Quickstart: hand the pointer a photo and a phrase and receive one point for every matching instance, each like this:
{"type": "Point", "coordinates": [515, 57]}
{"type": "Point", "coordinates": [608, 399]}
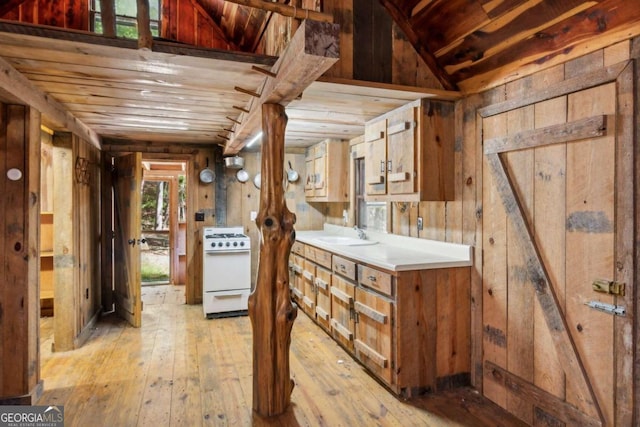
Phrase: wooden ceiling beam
{"type": "Point", "coordinates": [58, 117]}
{"type": "Point", "coordinates": [285, 10]}
{"type": "Point", "coordinates": [313, 49]}
{"type": "Point", "coordinates": [402, 21]}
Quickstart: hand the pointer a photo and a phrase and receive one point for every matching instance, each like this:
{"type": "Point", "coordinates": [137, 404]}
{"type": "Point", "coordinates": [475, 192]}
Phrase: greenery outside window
{"type": "Point", "coordinates": [126, 21]}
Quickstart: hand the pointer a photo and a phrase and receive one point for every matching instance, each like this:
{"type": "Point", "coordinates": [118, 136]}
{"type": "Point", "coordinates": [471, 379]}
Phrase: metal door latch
{"type": "Point", "coordinates": [608, 287]}
{"type": "Point", "coordinates": [616, 310]}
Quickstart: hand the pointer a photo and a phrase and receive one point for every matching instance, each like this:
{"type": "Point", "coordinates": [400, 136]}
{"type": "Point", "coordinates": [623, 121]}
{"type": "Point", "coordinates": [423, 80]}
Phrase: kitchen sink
{"type": "Point", "coordinates": [344, 241]}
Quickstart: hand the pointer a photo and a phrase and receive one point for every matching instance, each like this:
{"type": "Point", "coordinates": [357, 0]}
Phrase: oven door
{"type": "Point", "coordinates": [225, 271]}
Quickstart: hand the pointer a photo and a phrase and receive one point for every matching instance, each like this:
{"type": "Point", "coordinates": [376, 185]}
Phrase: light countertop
{"type": "Point", "coordinates": [388, 251]}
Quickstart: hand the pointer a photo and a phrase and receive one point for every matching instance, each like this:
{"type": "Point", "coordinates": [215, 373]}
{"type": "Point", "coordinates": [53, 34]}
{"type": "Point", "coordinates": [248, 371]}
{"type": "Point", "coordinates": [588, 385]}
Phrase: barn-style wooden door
{"type": "Point", "coordinates": [557, 224]}
{"type": "Point", "coordinates": [126, 198]}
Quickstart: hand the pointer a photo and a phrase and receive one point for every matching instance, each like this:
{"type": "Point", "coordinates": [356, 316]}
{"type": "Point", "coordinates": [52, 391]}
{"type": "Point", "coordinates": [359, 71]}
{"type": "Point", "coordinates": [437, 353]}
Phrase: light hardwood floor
{"type": "Point", "coordinates": [181, 369]}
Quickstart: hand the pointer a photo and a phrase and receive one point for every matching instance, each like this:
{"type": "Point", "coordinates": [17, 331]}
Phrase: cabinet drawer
{"type": "Point", "coordinates": [344, 267]}
{"type": "Point", "coordinates": [298, 248]}
{"type": "Point", "coordinates": [318, 256]}
{"type": "Point", "coordinates": [375, 279]}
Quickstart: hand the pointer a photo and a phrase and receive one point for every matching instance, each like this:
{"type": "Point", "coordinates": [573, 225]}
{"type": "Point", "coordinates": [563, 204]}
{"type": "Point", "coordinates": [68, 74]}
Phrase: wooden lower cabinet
{"type": "Point", "coordinates": [373, 342]}
{"type": "Point", "coordinates": [296, 281]}
{"type": "Point", "coordinates": [323, 297]}
{"type": "Point", "coordinates": [342, 316]}
{"type": "Point", "coordinates": [309, 291]}
{"type": "Point", "coordinates": [410, 329]}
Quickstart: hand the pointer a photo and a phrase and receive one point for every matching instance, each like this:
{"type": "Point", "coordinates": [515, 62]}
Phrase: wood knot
{"type": "Point", "coordinates": [579, 327]}
{"type": "Point", "coordinates": [491, 240]}
{"type": "Point", "coordinates": [469, 181]}
{"type": "Point", "coordinates": [17, 247]}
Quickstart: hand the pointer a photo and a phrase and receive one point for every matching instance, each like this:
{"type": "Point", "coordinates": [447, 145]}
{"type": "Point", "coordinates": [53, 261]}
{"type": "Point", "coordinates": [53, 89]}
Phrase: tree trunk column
{"type": "Point", "coordinates": [270, 309]}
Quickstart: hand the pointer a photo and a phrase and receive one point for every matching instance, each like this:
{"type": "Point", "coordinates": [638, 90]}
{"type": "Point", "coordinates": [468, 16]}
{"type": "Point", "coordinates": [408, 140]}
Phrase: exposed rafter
{"type": "Point", "coordinates": [285, 10]}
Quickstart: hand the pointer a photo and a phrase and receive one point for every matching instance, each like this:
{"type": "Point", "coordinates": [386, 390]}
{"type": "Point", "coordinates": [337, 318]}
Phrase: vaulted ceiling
{"type": "Point", "coordinates": [471, 45]}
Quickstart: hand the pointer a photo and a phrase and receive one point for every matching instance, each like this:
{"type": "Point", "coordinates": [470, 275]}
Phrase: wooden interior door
{"type": "Point", "coordinates": [126, 189]}
{"type": "Point", "coordinates": [553, 180]}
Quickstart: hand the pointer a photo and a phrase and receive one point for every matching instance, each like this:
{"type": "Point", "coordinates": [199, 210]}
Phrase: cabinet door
{"type": "Point", "coordinates": [323, 297]}
{"type": "Point", "coordinates": [309, 297]}
{"type": "Point", "coordinates": [401, 152]}
{"type": "Point", "coordinates": [373, 333]}
{"type": "Point", "coordinates": [297, 284]}
{"type": "Point", "coordinates": [320, 185]}
{"type": "Point", "coordinates": [375, 165]}
{"type": "Point", "coordinates": [309, 181]}
{"type": "Point", "coordinates": [342, 319]}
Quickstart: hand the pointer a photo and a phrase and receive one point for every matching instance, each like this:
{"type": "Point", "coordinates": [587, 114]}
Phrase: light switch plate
{"type": "Point", "coordinates": [420, 224]}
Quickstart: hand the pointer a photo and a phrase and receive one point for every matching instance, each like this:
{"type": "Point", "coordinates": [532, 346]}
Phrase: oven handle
{"type": "Point", "coordinates": [207, 252]}
{"type": "Point", "coordinates": [219, 295]}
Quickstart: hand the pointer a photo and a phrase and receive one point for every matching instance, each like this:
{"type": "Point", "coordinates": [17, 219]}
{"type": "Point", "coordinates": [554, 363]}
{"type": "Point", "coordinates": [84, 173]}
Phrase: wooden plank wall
{"type": "Point", "coordinates": [244, 198]}
{"type": "Point", "coordinates": [77, 243]}
{"type": "Point", "coordinates": [184, 21]}
{"type": "Point", "coordinates": [19, 260]}
{"type": "Point", "coordinates": [383, 52]}
{"type": "Point", "coordinates": [70, 14]}
{"type": "Point", "coordinates": [501, 299]}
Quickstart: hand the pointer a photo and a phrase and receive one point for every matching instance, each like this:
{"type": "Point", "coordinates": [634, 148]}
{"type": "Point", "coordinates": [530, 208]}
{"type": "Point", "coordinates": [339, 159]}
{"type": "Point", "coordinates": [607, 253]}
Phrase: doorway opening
{"type": "Point", "coordinates": [163, 222]}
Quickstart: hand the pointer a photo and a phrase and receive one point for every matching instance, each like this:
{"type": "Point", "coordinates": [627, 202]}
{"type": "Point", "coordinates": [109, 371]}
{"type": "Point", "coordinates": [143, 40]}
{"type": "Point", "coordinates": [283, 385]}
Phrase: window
{"type": "Point", "coordinates": [369, 215]}
{"type": "Point", "coordinates": [126, 21]}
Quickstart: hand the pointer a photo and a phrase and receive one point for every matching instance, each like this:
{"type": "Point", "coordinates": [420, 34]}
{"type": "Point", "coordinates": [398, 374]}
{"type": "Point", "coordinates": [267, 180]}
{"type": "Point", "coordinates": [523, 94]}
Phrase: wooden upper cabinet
{"type": "Point", "coordinates": [327, 172]}
{"type": "Point", "coordinates": [410, 153]}
{"type": "Point", "coordinates": [375, 137]}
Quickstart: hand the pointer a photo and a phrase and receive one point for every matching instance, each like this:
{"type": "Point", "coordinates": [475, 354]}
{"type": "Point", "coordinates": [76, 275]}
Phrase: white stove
{"type": "Point", "coordinates": [226, 275]}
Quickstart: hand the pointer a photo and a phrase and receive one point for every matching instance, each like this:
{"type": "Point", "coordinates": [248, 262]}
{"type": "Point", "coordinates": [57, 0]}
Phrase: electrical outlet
{"type": "Point", "coordinates": [420, 224]}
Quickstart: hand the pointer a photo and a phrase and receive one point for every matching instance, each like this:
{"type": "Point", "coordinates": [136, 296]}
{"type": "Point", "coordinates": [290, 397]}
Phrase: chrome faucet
{"type": "Point", "coordinates": [361, 234]}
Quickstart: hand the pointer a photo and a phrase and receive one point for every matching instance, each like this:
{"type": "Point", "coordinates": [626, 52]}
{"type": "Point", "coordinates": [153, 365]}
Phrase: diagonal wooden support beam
{"type": "Point", "coordinates": [556, 322]}
{"type": "Point", "coordinates": [13, 82]}
{"type": "Point", "coordinates": [313, 49]}
{"type": "Point", "coordinates": [285, 10]}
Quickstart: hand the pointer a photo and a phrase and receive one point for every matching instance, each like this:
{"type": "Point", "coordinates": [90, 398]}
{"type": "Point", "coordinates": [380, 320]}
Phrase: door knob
{"type": "Point", "coordinates": [132, 242]}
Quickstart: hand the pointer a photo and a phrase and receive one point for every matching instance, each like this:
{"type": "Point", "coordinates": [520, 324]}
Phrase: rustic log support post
{"type": "Point", "coordinates": [270, 308]}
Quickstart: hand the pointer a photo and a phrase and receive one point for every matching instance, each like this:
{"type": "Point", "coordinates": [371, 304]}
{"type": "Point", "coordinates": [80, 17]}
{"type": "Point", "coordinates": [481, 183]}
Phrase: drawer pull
{"type": "Point", "coordinates": [373, 355]}
{"type": "Point", "coordinates": [348, 299]}
{"type": "Point", "coordinates": [307, 275]}
{"type": "Point", "coordinates": [372, 278]}
{"type": "Point", "coordinates": [297, 293]}
{"type": "Point", "coordinates": [372, 314]}
{"type": "Point", "coordinates": [321, 284]}
{"type": "Point", "coordinates": [346, 333]}
{"type": "Point", "coordinates": [308, 302]}
{"type": "Point", "coordinates": [322, 314]}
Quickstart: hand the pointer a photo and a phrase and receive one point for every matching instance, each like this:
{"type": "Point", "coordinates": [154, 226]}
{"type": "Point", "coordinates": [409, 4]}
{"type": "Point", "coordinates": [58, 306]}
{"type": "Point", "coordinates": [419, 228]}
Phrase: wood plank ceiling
{"type": "Point", "coordinates": [475, 44]}
{"type": "Point", "coordinates": [181, 94]}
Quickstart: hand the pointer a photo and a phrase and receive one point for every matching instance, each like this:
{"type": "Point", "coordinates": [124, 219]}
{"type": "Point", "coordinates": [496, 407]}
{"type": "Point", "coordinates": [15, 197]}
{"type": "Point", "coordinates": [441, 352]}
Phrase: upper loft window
{"type": "Point", "coordinates": [126, 21]}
